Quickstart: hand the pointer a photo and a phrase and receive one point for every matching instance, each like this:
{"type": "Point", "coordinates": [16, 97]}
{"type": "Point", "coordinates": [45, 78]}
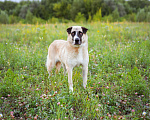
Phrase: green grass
{"type": "Point", "coordinates": [118, 78]}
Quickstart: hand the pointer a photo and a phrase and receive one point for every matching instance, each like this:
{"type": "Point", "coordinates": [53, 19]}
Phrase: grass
{"type": "Point", "coordinates": [118, 79]}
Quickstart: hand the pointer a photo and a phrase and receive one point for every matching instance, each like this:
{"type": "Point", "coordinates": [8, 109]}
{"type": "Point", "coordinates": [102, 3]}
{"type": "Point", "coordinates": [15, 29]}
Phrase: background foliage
{"type": "Point", "coordinates": [73, 10]}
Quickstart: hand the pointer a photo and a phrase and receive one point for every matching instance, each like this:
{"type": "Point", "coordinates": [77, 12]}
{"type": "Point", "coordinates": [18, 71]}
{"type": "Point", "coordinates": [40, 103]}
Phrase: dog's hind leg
{"type": "Point", "coordinates": [58, 66]}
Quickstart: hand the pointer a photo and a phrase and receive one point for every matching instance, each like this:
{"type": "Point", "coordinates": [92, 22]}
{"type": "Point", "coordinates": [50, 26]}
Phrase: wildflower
{"type": "Point", "coordinates": [144, 113]}
{"type": "Point", "coordinates": [71, 109]}
{"type": "Point", "coordinates": [44, 95]}
{"type": "Point", "coordinates": [1, 115]}
{"type": "Point", "coordinates": [109, 115]}
{"type": "Point", "coordinates": [58, 103]}
{"type": "Point", "coordinates": [136, 93]}
{"type": "Point", "coordinates": [98, 31]}
{"type": "Point", "coordinates": [12, 114]}
{"type": "Point", "coordinates": [97, 109]}
{"type": "Point", "coordinates": [101, 118]}
{"type": "Point", "coordinates": [99, 105]}
{"type": "Point", "coordinates": [38, 29]}
{"type": "Point", "coordinates": [50, 95]}
{"type": "Point", "coordinates": [37, 89]}
{"type": "Point", "coordinates": [133, 110]}
{"type": "Point", "coordinates": [96, 95]}
{"type": "Point", "coordinates": [35, 118]}
{"type": "Point", "coordinates": [147, 104]}
{"type": "Point", "coordinates": [8, 95]}
{"type": "Point", "coordinates": [107, 87]}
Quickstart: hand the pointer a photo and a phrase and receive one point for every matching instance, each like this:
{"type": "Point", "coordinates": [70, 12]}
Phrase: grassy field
{"type": "Point", "coordinates": [118, 78]}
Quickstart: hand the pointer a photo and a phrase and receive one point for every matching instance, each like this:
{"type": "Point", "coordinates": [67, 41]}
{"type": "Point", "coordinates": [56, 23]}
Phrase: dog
{"type": "Point", "coordinates": [70, 53]}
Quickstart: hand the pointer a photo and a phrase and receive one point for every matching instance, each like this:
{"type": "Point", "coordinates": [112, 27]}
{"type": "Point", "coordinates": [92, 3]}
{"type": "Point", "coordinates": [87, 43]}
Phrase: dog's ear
{"type": "Point", "coordinates": [69, 30]}
{"type": "Point", "coordinates": [84, 30]}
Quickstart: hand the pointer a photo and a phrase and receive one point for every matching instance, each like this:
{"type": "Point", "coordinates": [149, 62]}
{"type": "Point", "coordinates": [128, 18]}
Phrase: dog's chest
{"type": "Point", "coordinates": [77, 58]}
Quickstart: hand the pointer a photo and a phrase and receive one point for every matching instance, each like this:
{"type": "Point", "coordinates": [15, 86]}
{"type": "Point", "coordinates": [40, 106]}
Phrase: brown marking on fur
{"type": "Point", "coordinates": [58, 66]}
{"type": "Point", "coordinates": [76, 50]}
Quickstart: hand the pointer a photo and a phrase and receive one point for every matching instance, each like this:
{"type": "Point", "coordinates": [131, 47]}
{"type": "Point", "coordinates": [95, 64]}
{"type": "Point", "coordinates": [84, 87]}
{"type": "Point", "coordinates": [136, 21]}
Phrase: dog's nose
{"type": "Point", "coordinates": [77, 41]}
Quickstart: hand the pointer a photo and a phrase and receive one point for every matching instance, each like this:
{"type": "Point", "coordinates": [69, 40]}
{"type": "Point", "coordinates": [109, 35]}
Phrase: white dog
{"type": "Point", "coordinates": [70, 53]}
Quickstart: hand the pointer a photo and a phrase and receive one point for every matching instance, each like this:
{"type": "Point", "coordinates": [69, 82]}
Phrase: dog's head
{"type": "Point", "coordinates": [77, 35]}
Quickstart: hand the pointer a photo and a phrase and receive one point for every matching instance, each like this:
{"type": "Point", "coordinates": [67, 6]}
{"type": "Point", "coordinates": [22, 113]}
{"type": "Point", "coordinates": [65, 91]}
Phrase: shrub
{"type": "Point", "coordinates": [53, 20]}
{"type": "Point", "coordinates": [90, 18]}
{"type": "Point", "coordinates": [131, 17]}
{"type": "Point", "coordinates": [80, 18]}
{"type": "Point", "coordinates": [97, 16]}
{"type": "Point", "coordinates": [141, 16]}
{"type": "Point", "coordinates": [65, 20]}
{"type": "Point", "coordinates": [4, 19]}
{"type": "Point", "coordinates": [29, 17]}
{"type": "Point", "coordinates": [108, 18]}
{"type": "Point", "coordinates": [13, 19]}
{"type": "Point", "coordinates": [36, 20]}
{"type": "Point", "coordinates": [148, 17]}
{"type": "Point", "coordinates": [115, 15]}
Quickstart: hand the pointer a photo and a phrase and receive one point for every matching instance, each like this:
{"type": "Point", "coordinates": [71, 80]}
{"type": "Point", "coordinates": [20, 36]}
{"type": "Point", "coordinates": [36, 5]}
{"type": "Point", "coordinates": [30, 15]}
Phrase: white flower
{"type": "Point", "coordinates": [144, 113]}
{"type": "Point", "coordinates": [1, 115]}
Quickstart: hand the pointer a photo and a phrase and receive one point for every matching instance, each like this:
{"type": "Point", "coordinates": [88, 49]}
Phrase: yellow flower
{"type": "Point", "coordinates": [98, 31]}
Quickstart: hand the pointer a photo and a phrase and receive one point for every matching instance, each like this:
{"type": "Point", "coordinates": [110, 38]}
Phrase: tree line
{"type": "Point", "coordinates": [53, 11]}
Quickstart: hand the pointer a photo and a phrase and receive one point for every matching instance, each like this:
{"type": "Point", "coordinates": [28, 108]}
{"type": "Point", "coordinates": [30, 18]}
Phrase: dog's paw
{"type": "Point", "coordinates": [71, 92]}
{"type": "Point", "coordinates": [70, 89]}
{"type": "Point", "coordinates": [84, 86]}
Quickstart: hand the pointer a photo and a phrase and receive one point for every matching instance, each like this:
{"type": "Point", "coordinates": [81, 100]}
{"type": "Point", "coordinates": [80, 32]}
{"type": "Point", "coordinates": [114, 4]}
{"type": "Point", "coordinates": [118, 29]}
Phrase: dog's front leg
{"type": "Point", "coordinates": [69, 70]}
{"type": "Point", "coordinates": [84, 71]}
{"type": "Point", "coordinates": [64, 67]}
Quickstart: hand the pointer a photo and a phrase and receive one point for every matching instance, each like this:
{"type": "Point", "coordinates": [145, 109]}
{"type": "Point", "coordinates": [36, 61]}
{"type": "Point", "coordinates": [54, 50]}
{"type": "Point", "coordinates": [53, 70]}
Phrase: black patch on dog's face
{"type": "Point", "coordinates": [84, 30]}
{"type": "Point", "coordinates": [77, 37]}
{"type": "Point", "coordinates": [78, 33]}
{"type": "Point", "coordinates": [69, 30]}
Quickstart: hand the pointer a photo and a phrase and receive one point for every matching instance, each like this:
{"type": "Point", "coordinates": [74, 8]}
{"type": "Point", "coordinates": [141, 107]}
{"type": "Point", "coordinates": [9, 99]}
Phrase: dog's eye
{"type": "Point", "coordinates": [80, 33]}
{"type": "Point", "coordinates": [72, 33]}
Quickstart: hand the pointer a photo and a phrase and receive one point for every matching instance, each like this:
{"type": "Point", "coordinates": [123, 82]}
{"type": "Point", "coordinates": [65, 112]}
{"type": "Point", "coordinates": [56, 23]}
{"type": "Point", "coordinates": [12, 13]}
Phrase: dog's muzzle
{"type": "Point", "coordinates": [77, 41]}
